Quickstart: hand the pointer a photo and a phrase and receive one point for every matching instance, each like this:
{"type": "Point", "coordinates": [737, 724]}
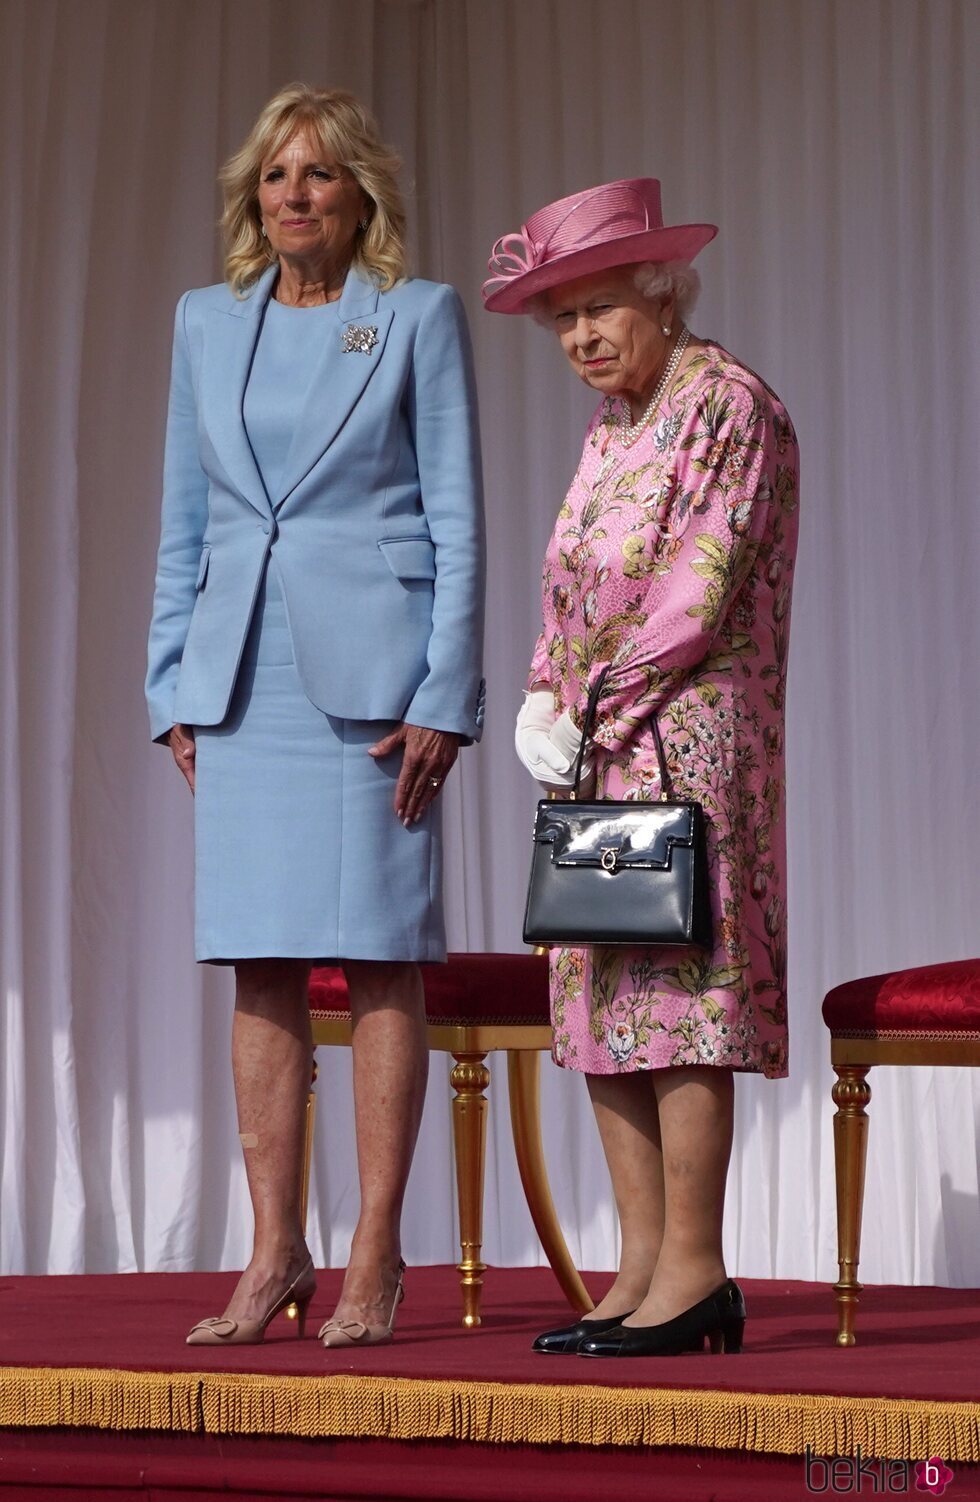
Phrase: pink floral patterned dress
{"type": "Point", "coordinates": [672, 560]}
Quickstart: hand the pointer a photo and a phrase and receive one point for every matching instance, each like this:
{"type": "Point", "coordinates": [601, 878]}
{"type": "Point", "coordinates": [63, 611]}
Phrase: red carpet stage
{"type": "Point", "coordinates": [100, 1397]}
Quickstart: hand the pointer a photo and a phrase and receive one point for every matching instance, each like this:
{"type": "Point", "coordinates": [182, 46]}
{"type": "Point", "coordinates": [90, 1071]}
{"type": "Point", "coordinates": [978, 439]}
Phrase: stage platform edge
{"type": "Point", "coordinates": [506, 1413]}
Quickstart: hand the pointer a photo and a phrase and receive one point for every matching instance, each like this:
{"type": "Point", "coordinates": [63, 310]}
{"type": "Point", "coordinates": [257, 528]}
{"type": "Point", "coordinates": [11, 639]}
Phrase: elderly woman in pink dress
{"type": "Point", "coordinates": [670, 568]}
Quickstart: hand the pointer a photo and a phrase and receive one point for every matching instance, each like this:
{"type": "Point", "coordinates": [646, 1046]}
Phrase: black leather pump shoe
{"type": "Point", "coordinates": [565, 1342]}
{"type": "Point", "coordinates": [720, 1317]}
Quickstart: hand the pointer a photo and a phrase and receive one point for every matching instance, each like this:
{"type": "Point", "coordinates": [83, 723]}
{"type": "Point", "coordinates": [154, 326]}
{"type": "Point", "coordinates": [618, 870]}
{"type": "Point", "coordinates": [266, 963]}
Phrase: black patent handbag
{"type": "Point", "coordinates": [614, 871]}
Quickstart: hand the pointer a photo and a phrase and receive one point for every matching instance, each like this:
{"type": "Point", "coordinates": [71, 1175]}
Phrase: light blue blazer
{"type": "Point", "coordinates": [377, 531]}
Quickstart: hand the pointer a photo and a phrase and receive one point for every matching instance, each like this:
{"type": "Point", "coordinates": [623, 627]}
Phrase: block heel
{"type": "Point", "coordinates": [720, 1318]}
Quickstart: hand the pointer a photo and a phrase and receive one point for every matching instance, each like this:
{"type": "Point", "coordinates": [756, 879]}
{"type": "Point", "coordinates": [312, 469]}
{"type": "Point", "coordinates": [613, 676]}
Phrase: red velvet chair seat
{"type": "Point", "coordinates": [928, 1016]}
{"type": "Point", "coordinates": [486, 989]}
{"type": "Point", "coordinates": [933, 1001]}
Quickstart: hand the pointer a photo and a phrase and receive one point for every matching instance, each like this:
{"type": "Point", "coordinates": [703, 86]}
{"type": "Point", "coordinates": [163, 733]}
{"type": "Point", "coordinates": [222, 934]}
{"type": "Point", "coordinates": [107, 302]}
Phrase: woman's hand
{"type": "Point", "coordinates": [548, 744]}
{"type": "Point", "coordinates": [181, 742]}
{"type": "Point", "coordinates": [429, 755]}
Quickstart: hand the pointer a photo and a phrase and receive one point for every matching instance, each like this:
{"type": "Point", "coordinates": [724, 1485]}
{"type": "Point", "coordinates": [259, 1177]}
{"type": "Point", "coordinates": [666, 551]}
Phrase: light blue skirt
{"type": "Point", "coordinates": [299, 852]}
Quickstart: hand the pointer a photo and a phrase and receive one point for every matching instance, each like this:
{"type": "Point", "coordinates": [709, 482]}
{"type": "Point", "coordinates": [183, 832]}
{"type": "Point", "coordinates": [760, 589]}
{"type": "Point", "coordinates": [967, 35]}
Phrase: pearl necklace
{"type": "Point", "coordinates": [630, 431]}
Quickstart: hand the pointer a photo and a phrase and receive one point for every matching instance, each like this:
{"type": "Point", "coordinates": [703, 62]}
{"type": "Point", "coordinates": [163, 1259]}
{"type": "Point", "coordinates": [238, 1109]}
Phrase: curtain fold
{"type": "Point", "coordinates": [834, 144]}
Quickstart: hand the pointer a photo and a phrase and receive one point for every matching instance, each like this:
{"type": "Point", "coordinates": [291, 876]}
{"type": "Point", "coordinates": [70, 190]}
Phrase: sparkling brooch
{"type": "Point", "coordinates": [359, 339]}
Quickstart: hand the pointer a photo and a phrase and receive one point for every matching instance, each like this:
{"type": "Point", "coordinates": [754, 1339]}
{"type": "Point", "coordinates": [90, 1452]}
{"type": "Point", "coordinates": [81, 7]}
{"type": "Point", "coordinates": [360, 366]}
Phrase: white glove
{"type": "Point", "coordinates": [545, 744]}
{"type": "Point", "coordinates": [566, 739]}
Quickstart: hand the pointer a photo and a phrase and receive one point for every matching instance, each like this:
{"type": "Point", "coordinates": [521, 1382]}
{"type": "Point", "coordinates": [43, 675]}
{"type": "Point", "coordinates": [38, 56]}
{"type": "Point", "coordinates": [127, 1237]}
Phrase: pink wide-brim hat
{"type": "Point", "coordinates": [615, 224]}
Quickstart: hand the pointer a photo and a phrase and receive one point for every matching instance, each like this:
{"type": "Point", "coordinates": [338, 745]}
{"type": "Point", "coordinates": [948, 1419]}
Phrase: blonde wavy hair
{"type": "Point", "coordinates": [346, 133]}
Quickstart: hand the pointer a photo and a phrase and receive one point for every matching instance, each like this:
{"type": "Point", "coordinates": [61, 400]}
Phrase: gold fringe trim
{"type": "Point", "coordinates": [343, 1406]}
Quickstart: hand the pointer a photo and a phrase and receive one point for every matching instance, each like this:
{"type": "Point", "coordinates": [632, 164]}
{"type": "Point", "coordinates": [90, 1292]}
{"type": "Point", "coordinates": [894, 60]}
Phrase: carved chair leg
{"type": "Point", "coordinates": [524, 1079]}
{"type": "Point", "coordinates": [470, 1078]}
{"type": "Point", "coordinates": [304, 1193]}
{"type": "Point", "coordinates": [851, 1095]}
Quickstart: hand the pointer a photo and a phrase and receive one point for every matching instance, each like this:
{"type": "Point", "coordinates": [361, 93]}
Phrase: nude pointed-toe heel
{"type": "Point", "coordinates": [353, 1332]}
{"type": "Point", "coordinates": [251, 1332]}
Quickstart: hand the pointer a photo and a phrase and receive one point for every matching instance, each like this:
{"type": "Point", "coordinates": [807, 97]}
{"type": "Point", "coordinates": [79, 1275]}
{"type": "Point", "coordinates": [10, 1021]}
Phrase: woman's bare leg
{"type": "Point", "coordinates": [696, 1109]}
{"type": "Point", "coordinates": [272, 1056]}
{"type": "Point", "coordinates": [626, 1111]}
{"type": "Point", "coordinates": [391, 1064]}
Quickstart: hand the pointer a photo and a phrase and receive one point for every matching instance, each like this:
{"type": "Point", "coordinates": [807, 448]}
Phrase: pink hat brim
{"type": "Point", "coordinates": [678, 242]}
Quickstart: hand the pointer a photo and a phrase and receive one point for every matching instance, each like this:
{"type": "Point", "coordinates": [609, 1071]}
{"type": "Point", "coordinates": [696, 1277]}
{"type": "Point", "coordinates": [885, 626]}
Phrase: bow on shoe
{"type": "Point", "coordinates": [214, 1325]}
{"type": "Point", "coordinates": [345, 1325]}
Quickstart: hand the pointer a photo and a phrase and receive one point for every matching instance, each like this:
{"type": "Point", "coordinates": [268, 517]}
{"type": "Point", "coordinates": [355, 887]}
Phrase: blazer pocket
{"type": "Point", "coordinates": [409, 557]}
{"type": "Point", "coordinates": [202, 568]}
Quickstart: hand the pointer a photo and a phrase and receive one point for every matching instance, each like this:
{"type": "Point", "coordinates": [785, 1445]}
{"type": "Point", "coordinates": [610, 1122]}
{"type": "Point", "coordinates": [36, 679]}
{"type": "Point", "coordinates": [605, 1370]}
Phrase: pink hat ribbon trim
{"type": "Point", "coordinates": [508, 263]}
{"type": "Point", "coordinates": [516, 254]}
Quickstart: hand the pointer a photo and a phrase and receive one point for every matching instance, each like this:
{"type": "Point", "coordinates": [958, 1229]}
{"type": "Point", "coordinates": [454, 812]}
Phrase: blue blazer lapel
{"type": "Point", "coordinates": [339, 379]}
{"type": "Point", "coordinates": [228, 349]}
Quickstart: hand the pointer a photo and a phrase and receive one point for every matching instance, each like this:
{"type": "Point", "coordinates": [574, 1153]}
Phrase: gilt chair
{"type": "Point", "coordinates": [930, 1015]}
{"type": "Point", "coordinates": [475, 1004]}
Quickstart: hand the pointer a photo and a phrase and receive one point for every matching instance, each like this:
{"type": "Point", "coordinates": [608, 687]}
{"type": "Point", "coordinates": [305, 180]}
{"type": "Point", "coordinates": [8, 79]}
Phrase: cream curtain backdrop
{"type": "Point", "coordinates": [834, 142]}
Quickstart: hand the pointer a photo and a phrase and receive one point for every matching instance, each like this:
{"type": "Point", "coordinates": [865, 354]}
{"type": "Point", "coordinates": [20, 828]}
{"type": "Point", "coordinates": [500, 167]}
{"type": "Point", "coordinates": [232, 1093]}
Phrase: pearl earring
{"type": "Point", "coordinates": [665, 328]}
{"type": "Point", "coordinates": [265, 234]}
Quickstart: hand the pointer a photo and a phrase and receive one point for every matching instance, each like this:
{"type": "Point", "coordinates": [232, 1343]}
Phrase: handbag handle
{"type": "Point", "coordinates": [666, 787]}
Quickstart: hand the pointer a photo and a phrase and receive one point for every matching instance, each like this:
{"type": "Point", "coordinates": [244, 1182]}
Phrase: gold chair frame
{"type": "Point", "coordinates": [469, 1045]}
{"type": "Point", "coordinates": [852, 1055]}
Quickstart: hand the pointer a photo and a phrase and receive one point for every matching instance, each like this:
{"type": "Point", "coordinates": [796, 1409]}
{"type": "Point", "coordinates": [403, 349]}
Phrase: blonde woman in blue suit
{"type": "Point", "coordinates": [314, 659]}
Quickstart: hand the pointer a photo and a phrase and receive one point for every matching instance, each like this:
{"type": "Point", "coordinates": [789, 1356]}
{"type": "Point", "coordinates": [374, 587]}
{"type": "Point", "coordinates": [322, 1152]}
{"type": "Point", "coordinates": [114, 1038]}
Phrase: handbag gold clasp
{"type": "Point", "coordinates": [609, 857]}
